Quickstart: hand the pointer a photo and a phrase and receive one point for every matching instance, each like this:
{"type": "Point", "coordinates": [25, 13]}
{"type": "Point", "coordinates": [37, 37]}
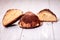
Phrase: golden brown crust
{"type": "Point", "coordinates": [47, 11]}
{"type": "Point", "coordinates": [11, 12]}
{"type": "Point", "coordinates": [29, 20]}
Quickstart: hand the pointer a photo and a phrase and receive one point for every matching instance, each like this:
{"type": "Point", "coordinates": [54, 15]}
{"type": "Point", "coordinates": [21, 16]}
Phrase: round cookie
{"type": "Point", "coordinates": [29, 20]}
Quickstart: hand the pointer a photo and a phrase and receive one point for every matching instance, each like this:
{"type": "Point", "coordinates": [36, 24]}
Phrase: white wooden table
{"type": "Point", "coordinates": [47, 31]}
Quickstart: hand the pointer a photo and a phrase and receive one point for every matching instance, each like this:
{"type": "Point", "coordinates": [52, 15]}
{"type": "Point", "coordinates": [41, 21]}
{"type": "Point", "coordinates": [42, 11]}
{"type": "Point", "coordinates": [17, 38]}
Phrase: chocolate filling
{"type": "Point", "coordinates": [30, 17]}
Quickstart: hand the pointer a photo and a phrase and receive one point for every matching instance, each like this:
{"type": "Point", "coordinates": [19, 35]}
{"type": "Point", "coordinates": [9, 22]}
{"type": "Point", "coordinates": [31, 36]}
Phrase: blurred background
{"type": "Point", "coordinates": [47, 31]}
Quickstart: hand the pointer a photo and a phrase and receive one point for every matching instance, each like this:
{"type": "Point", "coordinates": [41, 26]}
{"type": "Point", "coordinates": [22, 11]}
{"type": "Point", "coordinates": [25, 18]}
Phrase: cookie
{"type": "Point", "coordinates": [29, 20]}
{"type": "Point", "coordinates": [11, 16]}
{"type": "Point", "coordinates": [47, 15]}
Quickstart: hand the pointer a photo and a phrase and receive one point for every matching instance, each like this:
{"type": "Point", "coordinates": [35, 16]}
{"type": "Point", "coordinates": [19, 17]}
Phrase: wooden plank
{"type": "Point", "coordinates": [43, 32]}
{"type": "Point", "coordinates": [55, 5]}
{"type": "Point", "coordinates": [11, 33]}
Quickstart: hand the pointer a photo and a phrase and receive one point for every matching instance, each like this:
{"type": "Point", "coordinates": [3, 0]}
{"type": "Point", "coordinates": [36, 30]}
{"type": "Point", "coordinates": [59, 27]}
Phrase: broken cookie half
{"type": "Point", "coordinates": [47, 15]}
{"type": "Point", "coordinates": [11, 16]}
{"type": "Point", "coordinates": [29, 20]}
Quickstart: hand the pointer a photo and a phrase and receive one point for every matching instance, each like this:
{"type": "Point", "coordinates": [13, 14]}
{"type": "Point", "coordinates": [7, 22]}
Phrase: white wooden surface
{"type": "Point", "coordinates": [55, 7]}
{"type": "Point", "coordinates": [44, 32]}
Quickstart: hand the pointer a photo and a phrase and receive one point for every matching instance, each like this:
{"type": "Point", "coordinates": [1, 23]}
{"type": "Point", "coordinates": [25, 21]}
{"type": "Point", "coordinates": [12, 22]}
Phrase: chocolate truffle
{"type": "Point", "coordinates": [29, 20]}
